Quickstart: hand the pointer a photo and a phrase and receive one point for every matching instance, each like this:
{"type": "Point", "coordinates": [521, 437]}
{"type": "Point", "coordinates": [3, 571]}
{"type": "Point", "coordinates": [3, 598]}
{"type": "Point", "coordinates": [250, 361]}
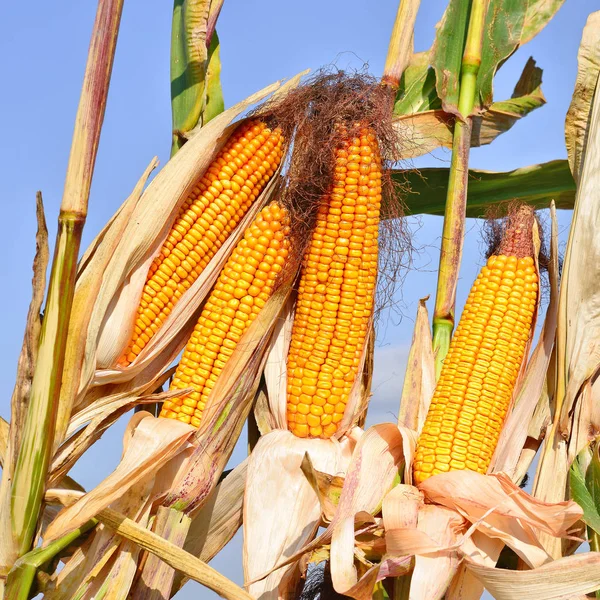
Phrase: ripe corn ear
{"type": "Point", "coordinates": [477, 380]}
{"type": "Point", "coordinates": [205, 220]}
{"type": "Point", "coordinates": [336, 293]}
{"type": "Point", "coordinates": [244, 285]}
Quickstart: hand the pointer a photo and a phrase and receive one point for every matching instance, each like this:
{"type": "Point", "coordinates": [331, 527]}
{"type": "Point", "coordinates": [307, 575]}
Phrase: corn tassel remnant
{"type": "Point", "coordinates": [205, 220]}
{"type": "Point", "coordinates": [478, 377]}
{"type": "Point", "coordinates": [336, 293]}
{"type": "Point", "coordinates": [244, 286]}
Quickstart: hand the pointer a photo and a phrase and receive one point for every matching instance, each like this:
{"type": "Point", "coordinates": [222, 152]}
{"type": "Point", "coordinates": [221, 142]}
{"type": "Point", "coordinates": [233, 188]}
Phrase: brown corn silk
{"type": "Point", "coordinates": [478, 377]}
{"type": "Point", "coordinates": [336, 291]}
{"type": "Point", "coordinates": [243, 288]}
{"type": "Point", "coordinates": [208, 216]}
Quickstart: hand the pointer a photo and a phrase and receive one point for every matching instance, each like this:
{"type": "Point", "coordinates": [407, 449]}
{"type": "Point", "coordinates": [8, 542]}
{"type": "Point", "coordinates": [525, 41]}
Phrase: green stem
{"type": "Point", "coordinates": [456, 199]}
{"type": "Point", "coordinates": [21, 506]}
{"type": "Point", "coordinates": [402, 587]}
{"type": "Point", "coordinates": [22, 575]}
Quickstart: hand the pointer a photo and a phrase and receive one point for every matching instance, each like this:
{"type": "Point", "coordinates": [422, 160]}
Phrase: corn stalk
{"type": "Point", "coordinates": [456, 199]}
{"type": "Point", "coordinates": [22, 504]}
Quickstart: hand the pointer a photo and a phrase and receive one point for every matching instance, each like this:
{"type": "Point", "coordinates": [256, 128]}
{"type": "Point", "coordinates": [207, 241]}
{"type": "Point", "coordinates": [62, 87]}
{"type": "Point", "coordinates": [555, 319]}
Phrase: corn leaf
{"type": "Point", "coordinates": [189, 61]}
{"type": "Point", "coordinates": [417, 92]}
{"type": "Point", "coordinates": [503, 28]}
{"type": "Point", "coordinates": [581, 494]}
{"type": "Point", "coordinates": [447, 53]}
{"type": "Point", "coordinates": [536, 185]}
{"type": "Point", "coordinates": [29, 350]}
{"type": "Point", "coordinates": [425, 131]}
{"type": "Point", "coordinates": [578, 116]}
{"type": "Point", "coordinates": [538, 15]}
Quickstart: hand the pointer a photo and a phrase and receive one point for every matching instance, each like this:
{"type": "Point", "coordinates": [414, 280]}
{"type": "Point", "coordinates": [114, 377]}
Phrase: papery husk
{"type": "Point", "coordinates": [578, 328]}
{"type": "Point", "coordinates": [501, 510]}
{"type": "Point", "coordinates": [217, 521]}
{"type": "Point", "coordinates": [281, 510]}
{"type": "Point", "coordinates": [148, 444]}
{"type": "Point", "coordinates": [105, 313]}
{"type": "Point", "coordinates": [566, 578]}
{"type": "Point", "coordinates": [577, 120]}
{"type": "Point", "coordinates": [419, 381]}
{"type": "Point", "coordinates": [380, 454]}
{"type": "Point", "coordinates": [103, 416]}
{"type": "Point", "coordinates": [433, 572]}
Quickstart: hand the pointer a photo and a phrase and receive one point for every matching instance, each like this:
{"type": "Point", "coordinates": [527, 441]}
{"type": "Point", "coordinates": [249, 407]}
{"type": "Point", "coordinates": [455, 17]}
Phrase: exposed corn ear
{"type": "Point", "coordinates": [336, 292]}
{"type": "Point", "coordinates": [205, 220]}
{"type": "Point", "coordinates": [476, 383]}
{"type": "Point", "coordinates": [243, 288]}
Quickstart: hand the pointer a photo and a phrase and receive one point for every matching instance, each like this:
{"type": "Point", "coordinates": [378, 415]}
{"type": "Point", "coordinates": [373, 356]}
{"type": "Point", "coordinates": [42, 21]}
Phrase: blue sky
{"type": "Point", "coordinates": [44, 46]}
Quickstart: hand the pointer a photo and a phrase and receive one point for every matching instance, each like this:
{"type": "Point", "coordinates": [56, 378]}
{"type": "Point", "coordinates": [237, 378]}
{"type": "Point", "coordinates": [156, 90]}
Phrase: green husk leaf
{"type": "Point", "coordinates": [580, 491]}
{"type": "Point", "coordinates": [536, 185]}
{"type": "Point", "coordinates": [592, 482]}
{"type": "Point", "coordinates": [578, 116]}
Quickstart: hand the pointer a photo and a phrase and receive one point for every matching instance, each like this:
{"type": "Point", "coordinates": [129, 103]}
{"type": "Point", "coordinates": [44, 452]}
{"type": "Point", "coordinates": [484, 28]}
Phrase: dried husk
{"type": "Point", "coordinates": [148, 444]}
{"type": "Point", "coordinates": [419, 380]}
{"type": "Point", "coordinates": [281, 509]}
{"type": "Point", "coordinates": [105, 312]}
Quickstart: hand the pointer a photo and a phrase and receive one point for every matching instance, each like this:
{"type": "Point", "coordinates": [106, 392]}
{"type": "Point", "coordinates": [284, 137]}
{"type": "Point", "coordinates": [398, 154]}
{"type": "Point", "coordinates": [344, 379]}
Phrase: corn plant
{"type": "Point", "coordinates": [243, 279]}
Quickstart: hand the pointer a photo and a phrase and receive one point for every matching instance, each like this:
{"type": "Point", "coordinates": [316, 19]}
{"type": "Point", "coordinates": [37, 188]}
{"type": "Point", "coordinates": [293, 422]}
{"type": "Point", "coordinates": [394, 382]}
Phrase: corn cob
{"type": "Point", "coordinates": [474, 391]}
{"type": "Point", "coordinates": [214, 208]}
{"type": "Point", "coordinates": [244, 285]}
{"type": "Point", "coordinates": [336, 293]}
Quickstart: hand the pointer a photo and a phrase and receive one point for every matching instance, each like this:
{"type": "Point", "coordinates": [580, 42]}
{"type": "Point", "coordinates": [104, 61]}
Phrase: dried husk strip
{"type": "Point", "coordinates": [570, 577]}
{"type": "Point", "coordinates": [108, 311]}
{"type": "Point", "coordinates": [217, 521]}
{"type": "Point", "coordinates": [148, 444]}
{"type": "Point", "coordinates": [419, 380]}
{"type": "Point", "coordinates": [281, 509]}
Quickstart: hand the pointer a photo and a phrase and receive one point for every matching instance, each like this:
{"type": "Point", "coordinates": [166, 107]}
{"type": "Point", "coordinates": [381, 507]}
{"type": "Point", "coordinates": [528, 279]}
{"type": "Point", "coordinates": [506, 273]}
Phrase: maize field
{"type": "Point", "coordinates": [318, 322]}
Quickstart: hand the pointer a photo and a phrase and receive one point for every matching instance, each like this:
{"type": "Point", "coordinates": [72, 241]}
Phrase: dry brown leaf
{"type": "Point", "coordinates": [578, 115]}
{"type": "Point", "coordinates": [152, 443]}
{"type": "Point", "coordinates": [29, 349]}
{"type": "Point", "coordinates": [327, 487]}
{"type": "Point", "coordinates": [419, 381]}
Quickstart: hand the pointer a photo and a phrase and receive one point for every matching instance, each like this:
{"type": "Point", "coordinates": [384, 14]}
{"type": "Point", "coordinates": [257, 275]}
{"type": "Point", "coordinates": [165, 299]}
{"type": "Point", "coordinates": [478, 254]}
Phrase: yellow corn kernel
{"type": "Point", "coordinates": [476, 383]}
{"type": "Point", "coordinates": [207, 217]}
{"type": "Point", "coordinates": [224, 318]}
{"type": "Point", "coordinates": [335, 295]}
